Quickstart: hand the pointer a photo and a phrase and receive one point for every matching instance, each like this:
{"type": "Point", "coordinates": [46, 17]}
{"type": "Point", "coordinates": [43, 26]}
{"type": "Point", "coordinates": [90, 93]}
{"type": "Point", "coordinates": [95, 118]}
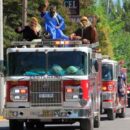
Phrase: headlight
{"type": "Point", "coordinates": [19, 93]}
{"type": "Point", "coordinates": [128, 92]}
{"type": "Point", "coordinates": [73, 93]}
{"type": "Point", "coordinates": [104, 88]}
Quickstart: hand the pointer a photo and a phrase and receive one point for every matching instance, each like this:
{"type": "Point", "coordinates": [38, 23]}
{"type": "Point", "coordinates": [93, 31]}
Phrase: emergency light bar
{"type": "Point", "coordinates": [52, 43]}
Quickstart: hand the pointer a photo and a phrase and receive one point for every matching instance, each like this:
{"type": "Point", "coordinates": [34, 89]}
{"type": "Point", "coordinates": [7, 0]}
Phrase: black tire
{"type": "Point", "coordinates": [40, 126]}
{"type": "Point", "coordinates": [122, 114]}
{"type": "Point", "coordinates": [29, 125]}
{"type": "Point", "coordinates": [86, 124]}
{"type": "Point", "coordinates": [16, 125]}
{"type": "Point", "coordinates": [128, 102]}
{"type": "Point", "coordinates": [111, 114]}
{"type": "Point", "coordinates": [101, 109]}
{"type": "Point", "coordinates": [97, 121]}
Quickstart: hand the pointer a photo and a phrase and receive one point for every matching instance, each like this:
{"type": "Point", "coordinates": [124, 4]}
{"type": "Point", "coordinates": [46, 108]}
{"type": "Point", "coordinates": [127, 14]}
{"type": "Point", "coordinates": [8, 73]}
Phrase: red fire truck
{"type": "Point", "coordinates": [110, 72]}
{"type": "Point", "coordinates": [50, 84]}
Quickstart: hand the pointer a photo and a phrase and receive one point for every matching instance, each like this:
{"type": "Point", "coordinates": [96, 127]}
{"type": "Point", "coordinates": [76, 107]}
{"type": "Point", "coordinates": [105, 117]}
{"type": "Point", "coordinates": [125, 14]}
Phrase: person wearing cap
{"type": "Point", "coordinates": [86, 32]}
{"type": "Point", "coordinates": [31, 31]}
{"type": "Point", "coordinates": [53, 22]}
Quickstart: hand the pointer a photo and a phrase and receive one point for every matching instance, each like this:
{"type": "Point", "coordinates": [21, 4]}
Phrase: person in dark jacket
{"type": "Point", "coordinates": [121, 89]}
{"type": "Point", "coordinates": [31, 31]}
{"type": "Point", "coordinates": [87, 33]}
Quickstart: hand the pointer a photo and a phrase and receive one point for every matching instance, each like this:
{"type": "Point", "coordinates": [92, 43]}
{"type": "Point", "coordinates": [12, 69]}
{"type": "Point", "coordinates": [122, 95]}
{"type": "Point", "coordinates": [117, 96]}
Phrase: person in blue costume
{"type": "Point", "coordinates": [53, 22]}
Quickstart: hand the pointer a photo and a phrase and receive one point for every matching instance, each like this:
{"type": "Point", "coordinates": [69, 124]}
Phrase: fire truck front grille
{"type": "Point", "coordinates": [45, 93]}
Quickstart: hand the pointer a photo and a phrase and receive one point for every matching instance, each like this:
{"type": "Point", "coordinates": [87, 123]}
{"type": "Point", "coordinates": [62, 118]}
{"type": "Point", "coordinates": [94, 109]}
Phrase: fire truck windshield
{"type": "Point", "coordinates": [107, 73]}
{"type": "Point", "coordinates": [51, 63]}
{"type": "Point", "coordinates": [30, 63]}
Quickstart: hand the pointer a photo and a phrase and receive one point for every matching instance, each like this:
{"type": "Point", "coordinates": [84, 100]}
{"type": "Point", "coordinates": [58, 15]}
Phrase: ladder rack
{"type": "Point", "coordinates": [52, 43]}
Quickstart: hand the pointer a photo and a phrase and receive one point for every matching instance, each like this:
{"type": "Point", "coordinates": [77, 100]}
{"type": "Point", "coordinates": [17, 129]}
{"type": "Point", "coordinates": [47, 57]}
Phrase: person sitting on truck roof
{"type": "Point", "coordinates": [53, 22]}
{"type": "Point", "coordinates": [31, 31]}
{"type": "Point", "coordinates": [87, 33]}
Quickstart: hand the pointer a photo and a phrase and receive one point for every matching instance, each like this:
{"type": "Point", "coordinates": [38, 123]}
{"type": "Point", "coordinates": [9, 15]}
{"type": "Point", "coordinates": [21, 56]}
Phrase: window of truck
{"type": "Point", "coordinates": [51, 63]}
{"type": "Point", "coordinates": [26, 63]}
{"type": "Point", "coordinates": [67, 63]}
{"type": "Point", "coordinates": [107, 72]}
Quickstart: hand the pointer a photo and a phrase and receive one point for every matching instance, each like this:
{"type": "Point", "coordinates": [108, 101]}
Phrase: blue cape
{"type": "Point", "coordinates": [50, 24]}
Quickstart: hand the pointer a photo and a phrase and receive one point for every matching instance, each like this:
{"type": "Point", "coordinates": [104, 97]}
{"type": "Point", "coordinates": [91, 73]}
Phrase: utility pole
{"type": "Point", "coordinates": [1, 30]}
{"type": "Point", "coordinates": [2, 92]}
{"type": "Point", "coordinates": [24, 12]}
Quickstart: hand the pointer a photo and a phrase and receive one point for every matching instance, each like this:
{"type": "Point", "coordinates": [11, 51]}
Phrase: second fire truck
{"type": "Point", "coordinates": [110, 72]}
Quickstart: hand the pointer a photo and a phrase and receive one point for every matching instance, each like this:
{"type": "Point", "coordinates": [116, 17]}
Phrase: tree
{"type": "Point", "coordinates": [12, 11]}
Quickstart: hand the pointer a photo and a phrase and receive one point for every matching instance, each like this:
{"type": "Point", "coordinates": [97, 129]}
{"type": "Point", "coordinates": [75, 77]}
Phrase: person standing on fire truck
{"type": "Point", "coordinates": [87, 32]}
{"type": "Point", "coordinates": [121, 89]}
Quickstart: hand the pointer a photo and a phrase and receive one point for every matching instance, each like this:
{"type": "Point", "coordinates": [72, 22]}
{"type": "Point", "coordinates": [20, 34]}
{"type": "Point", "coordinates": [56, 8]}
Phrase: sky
{"type": "Point", "coordinates": [121, 2]}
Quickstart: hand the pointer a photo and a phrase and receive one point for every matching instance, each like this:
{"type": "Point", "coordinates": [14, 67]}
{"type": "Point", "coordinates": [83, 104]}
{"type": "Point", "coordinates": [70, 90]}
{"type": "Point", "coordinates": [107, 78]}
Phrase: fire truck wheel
{"type": "Point", "coordinates": [39, 126]}
{"type": "Point", "coordinates": [122, 114]}
{"type": "Point", "coordinates": [29, 125]}
{"type": "Point", "coordinates": [86, 124]}
{"type": "Point", "coordinates": [97, 122]}
{"type": "Point", "coordinates": [129, 102]}
{"type": "Point", "coordinates": [111, 114]}
{"type": "Point", "coordinates": [16, 125]}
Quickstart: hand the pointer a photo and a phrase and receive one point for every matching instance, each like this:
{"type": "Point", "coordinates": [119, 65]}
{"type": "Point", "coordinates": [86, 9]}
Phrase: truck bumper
{"type": "Point", "coordinates": [107, 105]}
{"type": "Point", "coordinates": [40, 113]}
{"type": "Point", "coordinates": [108, 99]}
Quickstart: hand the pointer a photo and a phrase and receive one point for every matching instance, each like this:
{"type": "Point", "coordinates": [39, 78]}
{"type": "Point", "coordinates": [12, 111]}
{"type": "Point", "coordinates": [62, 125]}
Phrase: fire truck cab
{"type": "Point", "coordinates": [110, 73]}
{"type": "Point", "coordinates": [46, 83]}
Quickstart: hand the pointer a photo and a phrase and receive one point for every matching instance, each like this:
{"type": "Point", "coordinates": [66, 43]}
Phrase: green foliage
{"type": "Point", "coordinates": [11, 20]}
{"type": "Point", "coordinates": [9, 35]}
{"type": "Point", "coordinates": [120, 34]}
{"type": "Point", "coordinates": [114, 30]}
{"type": "Point", "coordinates": [103, 27]}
